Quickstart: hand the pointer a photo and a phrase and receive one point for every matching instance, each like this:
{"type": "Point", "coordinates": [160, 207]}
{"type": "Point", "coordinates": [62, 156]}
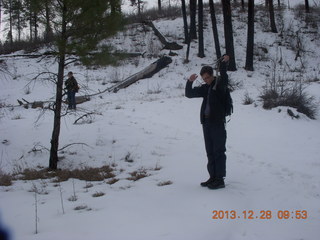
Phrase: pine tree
{"type": "Point", "coordinates": [185, 22]}
{"type": "Point", "coordinates": [307, 6]}
{"type": "Point", "coordinates": [250, 36]}
{"type": "Point", "coordinates": [82, 25]}
{"type": "Point", "coordinates": [200, 29]}
{"type": "Point", "coordinates": [272, 18]}
{"type": "Point", "coordinates": [215, 29]}
{"type": "Point", "coordinates": [193, 13]}
{"type": "Point", "coordinates": [17, 17]}
{"type": "Point", "coordinates": [159, 5]}
{"type": "Point", "coordinates": [228, 34]}
{"type": "Point", "coordinates": [8, 10]}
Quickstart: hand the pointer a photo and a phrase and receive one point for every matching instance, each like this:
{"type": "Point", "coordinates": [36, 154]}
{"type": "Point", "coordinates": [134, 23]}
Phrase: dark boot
{"type": "Point", "coordinates": [216, 184]}
{"type": "Point", "coordinates": [205, 184]}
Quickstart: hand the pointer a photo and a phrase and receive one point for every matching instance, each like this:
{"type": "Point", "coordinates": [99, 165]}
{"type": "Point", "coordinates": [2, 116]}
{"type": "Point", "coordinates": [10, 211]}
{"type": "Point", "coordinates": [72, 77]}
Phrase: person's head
{"type": "Point", "coordinates": [207, 74]}
{"type": "Point", "coordinates": [70, 74]}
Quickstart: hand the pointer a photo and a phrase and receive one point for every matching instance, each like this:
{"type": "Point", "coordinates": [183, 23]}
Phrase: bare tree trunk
{"type": "Point", "coordinates": [48, 32]}
{"type": "Point", "coordinates": [193, 27]}
{"type": "Point", "coordinates": [200, 29]}
{"type": "Point", "coordinates": [10, 34]}
{"type": "Point", "coordinates": [250, 37]}
{"type": "Point", "coordinates": [0, 14]}
{"type": "Point", "coordinates": [307, 6]}
{"type": "Point", "coordinates": [159, 5]}
{"type": "Point", "coordinates": [272, 19]}
{"type": "Point", "coordinates": [53, 161]}
{"type": "Point", "coordinates": [35, 22]}
{"type": "Point", "coordinates": [242, 4]}
{"type": "Point", "coordinates": [228, 34]}
{"type": "Point", "coordinates": [215, 29]}
{"type": "Point", "coordinates": [185, 22]}
{"type": "Point", "coordinates": [30, 26]}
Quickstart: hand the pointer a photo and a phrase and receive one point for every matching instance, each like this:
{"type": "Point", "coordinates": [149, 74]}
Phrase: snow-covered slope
{"type": "Point", "coordinates": [273, 160]}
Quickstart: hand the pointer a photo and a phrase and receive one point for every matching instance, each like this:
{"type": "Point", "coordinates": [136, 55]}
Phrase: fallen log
{"type": "Point", "coordinates": [145, 73]}
{"type": "Point", "coordinates": [40, 104]}
{"type": "Point", "coordinates": [163, 40]}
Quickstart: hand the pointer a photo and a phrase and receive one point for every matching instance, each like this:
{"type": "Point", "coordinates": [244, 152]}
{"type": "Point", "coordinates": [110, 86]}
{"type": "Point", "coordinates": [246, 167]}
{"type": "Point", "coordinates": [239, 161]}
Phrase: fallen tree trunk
{"type": "Point", "coordinates": [145, 73]}
{"type": "Point", "coordinates": [163, 40]}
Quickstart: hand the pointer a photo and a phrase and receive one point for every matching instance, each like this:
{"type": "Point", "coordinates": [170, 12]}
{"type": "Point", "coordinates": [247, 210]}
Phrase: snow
{"type": "Point", "coordinates": [272, 160]}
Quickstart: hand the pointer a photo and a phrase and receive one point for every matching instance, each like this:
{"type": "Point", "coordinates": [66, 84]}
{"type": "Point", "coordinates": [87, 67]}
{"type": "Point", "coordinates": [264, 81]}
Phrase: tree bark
{"type": "Point", "coordinates": [193, 27]}
{"type": "Point", "coordinates": [48, 32]}
{"type": "Point", "coordinates": [228, 34]}
{"type": "Point", "coordinates": [145, 73]}
{"type": "Point", "coordinates": [307, 6]}
{"type": "Point", "coordinates": [215, 29]}
{"type": "Point", "coordinates": [185, 22]}
{"type": "Point", "coordinates": [53, 160]}
{"type": "Point", "coordinates": [250, 36]}
{"type": "Point", "coordinates": [159, 5]}
{"type": "Point", "coordinates": [163, 40]}
{"type": "Point", "coordinates": [200, 29]}
{"type": "Point", "coordinates": [272, 18]}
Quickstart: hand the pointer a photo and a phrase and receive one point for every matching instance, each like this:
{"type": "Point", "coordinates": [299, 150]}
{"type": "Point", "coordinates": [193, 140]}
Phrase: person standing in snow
{"type": "Point", "coordinates": [212, 117]}
{"type": "Point", "coordinates": [72, 88]}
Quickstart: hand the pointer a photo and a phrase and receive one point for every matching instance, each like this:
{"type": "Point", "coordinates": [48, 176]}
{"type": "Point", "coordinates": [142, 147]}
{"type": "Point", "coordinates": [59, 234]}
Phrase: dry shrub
{"type": "Point", "coordinates": [5, 179]}
{"type": "Point", "coordinates": [87, 174]}
{"type": "Point", "coordinates": [98, 194]}
{"type": "Point", "coordinates": [164, 183]}
{"type": "Point", "coordinates": [136, 175]}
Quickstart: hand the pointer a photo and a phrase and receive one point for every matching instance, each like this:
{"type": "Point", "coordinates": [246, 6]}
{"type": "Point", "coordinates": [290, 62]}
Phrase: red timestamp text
{"type": "Point", "coordinates": [260, 214]}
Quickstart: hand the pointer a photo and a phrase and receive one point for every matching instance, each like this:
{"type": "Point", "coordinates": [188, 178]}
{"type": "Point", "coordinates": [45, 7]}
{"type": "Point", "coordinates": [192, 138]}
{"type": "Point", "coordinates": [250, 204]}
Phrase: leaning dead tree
{"type": "Point", "coordinates": [145, 73]}
{"type": "Point", "coordinates": [163, 40]}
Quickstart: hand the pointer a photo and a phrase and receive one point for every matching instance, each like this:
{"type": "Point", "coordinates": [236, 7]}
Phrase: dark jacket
{"type": "Point", "coordinates": [216, 97]}
{"type": "Point", "coordinates": [71, 84]}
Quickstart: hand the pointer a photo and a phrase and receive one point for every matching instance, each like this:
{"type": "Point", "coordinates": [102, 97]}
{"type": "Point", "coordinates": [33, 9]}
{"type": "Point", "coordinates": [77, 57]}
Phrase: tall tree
{"type": "Point", "coordinates": [193, 13]}
{"type": "Point", "coordinates": [32, 11]}
{"type": "Point", "coordinates": [200, 29]}
{"type": "Point", "coordinates": [8, 10]}
{"type": "Point", "coordinates": [242, 4]}
{"type": "Point", "coordinates": [228, 34]}
{"type": "Point", "coordinates": [17, 17]}
{"type": "Point", "coordinates": [159, 5]}
{"type": "Point", "coordinates": [80, 25]}
{"type": "Point", "coordinates": [250, 36]}
{"type": "Point", "coordinates": [185, 22]}
{"type": "Point", "coordinates": [48, 17]}
{"type": "Point", "coordinates": [215, 29]}
{"type": "Point", "coordinates": [272, 18]}
{"type": "Point", "coordinates": [307, 6]}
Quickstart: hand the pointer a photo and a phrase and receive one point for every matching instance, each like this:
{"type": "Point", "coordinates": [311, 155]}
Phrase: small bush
{"type": "Point", "coordinates": [81, 207]}
{"type": "Point", "coordinates": [293, 97]}
{"type": "Point", "coordinates": [73, 198]}
{"type": "Point", "coordinates": [112, 181]}
{"type": "Point", "coordinates": [98, 194]}
{"type": "Point", "coordinates": [247, 99]}
{"type": "Point", "coordinates": [164, 183]}
{"type": "Point", "coordinates": [5, 179]}
{"type": "Point", "coordinates": [140, 173]}
{"type": "Point", "coordinates": [87, 174]}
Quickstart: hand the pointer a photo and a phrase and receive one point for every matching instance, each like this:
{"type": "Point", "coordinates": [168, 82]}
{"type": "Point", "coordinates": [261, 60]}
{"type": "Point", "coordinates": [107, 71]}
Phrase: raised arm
{"type": "Point", "coordinates": [191, 92]}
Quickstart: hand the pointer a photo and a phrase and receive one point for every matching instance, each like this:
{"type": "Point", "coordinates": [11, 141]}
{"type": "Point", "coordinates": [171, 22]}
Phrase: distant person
{"type": "Point", "coordinates": [212, 116]}
{"type": "Point", "coordinates": [72, 88]}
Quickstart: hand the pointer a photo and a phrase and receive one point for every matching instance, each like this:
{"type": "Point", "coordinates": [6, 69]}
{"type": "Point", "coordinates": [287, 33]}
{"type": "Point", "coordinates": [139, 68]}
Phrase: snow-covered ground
{"type": "Point", "coordinates": [272, 160]}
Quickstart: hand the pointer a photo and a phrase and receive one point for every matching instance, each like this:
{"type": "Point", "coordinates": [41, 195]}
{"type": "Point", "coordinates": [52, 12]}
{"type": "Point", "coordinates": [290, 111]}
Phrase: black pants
{"type": "Point", "coordinates": [215, 137]}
